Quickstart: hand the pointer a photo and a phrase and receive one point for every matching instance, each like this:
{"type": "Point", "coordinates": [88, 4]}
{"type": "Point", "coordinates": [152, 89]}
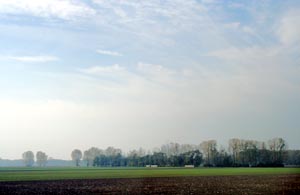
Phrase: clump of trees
{"type": "Point", "coordinates": [240, 153]}
{"type": "Point", "coordinates": [255, 153]}
{"type": "Point", "coordinates": [28, 158]}
{"type": "Point", "coordinates": [293, 157]}
{"type": "Point", "coordinates": [90, 155]}
{"type": "Point", "coordinates": [158, 158]}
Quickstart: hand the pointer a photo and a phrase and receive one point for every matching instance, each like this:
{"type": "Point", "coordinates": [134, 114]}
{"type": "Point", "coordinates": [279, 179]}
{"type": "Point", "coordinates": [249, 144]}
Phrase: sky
{"type": "Point", "coordinates": [130, 73]}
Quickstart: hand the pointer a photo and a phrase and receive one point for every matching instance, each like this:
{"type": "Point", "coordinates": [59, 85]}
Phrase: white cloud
{"type": "Point", "coordinates": [103, 69]}
{"type": "Point", "coordinates": [248, 29]}
{"type": "Point", "coordinates": [34, 58]}
{"type": "Point", "coordinates": [146, 12]}
{"type": "Point", "coordinates": [62, 9]}
{"type": "Point", "coordinates": [244, 54]}
{"type": "Point", "coordinates": [142, 73]}
{"type": "Point", "coordinates": [107, 52]}
{"type": "Point", "coordinates": [149, 67]}
{"type": "Point", "coordinates": [153, 69]}
{"type": "Point", "coordinates": [289, 27]}
{"type": "Point", "coordinates": [233, 25]}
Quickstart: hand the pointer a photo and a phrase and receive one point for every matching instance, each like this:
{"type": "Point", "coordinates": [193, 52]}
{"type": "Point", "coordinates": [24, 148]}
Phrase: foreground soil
{"type": "Point", "coordinates": [270, 184]}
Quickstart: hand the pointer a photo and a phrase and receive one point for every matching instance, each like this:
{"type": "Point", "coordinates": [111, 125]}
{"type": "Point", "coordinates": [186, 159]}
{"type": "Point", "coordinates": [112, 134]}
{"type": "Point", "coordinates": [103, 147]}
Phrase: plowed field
{"type": "Point", "coordinates": [264, 184]}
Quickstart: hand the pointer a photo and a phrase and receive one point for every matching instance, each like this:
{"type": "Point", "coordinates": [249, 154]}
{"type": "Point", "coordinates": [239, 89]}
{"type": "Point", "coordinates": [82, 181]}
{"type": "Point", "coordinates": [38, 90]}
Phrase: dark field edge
{"type": "Point", "coordinates": [296, 175]}
{"type": "Point", "coordinates": [150, 177]}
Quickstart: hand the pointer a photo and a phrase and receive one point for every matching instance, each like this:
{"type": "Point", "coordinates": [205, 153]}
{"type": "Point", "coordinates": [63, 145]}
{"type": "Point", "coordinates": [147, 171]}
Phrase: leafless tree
{"type": "Point", "coordinates": [76, 156]}
{"type": "Point", "coordinates": [234, 148]}
{"type": "Point", "coordinates": [209, 149]}
{"type": "Point", "coordinates": [277, 146]}
{"type": "Point", "coordinates": [41, 158]}
{"type": "Point", "coordinates": [90, 155]}
{"type": "Point", "coordinates": [28, 158]}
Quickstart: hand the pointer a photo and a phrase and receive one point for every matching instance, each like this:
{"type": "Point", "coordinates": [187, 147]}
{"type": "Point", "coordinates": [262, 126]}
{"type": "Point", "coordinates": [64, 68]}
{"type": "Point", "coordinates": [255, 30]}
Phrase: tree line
{"type": "Point", "coordinates": [240, 153]}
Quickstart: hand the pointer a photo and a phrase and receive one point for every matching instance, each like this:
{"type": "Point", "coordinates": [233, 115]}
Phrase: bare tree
{"type": "Point", "coordinates": [234, 148]}
{"type": "Point", "coordinates": [184, 148]}
{"type": "Point", "coordinates": [172, 149]}
{"type": "Point", "coordinates": [90, 155]}
{"type": "Point", "coordinates": [209, 149]}
{"type": "Point", "coordinates": [41, 158]}
{"type": "Point", "coordinates": [76, 156]}
{"type": "Point", "coordinates": [141, 152]}
{"type": "Point", "coordinates": [248, 152]}
{"type": "Point", "coordinates": [28, 158]}
{"type": "Point", "coordinates": [277, 146]}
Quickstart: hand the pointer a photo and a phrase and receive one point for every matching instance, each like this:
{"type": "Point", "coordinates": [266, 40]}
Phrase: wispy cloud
{"type": "Point", "coordinates": [136, 14]}
{"type": "Point", "coordinates": [189, 66]}
{"type": "Point", "coordinates": [154, 69]}
{"type": "Point", "coordinates": [102, 69]}
{"type": "Point", "coordinates": [247, 54]}
{"type": "Point", "coordinates": [62, 9]}
{"type": "Point", "coordinates": [289, 27]}
{"type": "Point", "coordinates": [40, 59]}
{"type": "Point", "coordinates": [107, 52]}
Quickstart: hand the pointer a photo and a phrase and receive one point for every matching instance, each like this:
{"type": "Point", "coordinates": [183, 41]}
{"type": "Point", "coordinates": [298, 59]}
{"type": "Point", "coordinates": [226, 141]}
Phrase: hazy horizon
{"type": "Point", "coordinates": [148, 150]}
{"type": "Point", "coordinates": [130, 74]}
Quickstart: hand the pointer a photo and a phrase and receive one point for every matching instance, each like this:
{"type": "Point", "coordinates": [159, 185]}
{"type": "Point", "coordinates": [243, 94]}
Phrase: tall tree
{"type": "Point", "coordinates": [234, 148]}
{"type": "Point", "coordinates": [209, 149]}
{"type": "Point", "coordinates": [90, 155]}
{"type": "Point", "coordinates": [277, 146]}
{"type": "Point", "coordinates": [76, 156]}
{"type": "Point", "coordinates": [41, 158]}
{"type": "Point", "coordinates": [133, 158]}
{"type": "Point", "coordinates": [113, 156]}
{"type": "Point", "coordinates": [28, 158]}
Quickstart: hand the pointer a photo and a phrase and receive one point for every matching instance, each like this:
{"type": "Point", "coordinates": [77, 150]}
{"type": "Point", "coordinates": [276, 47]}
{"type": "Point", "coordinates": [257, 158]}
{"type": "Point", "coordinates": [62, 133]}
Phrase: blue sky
{"type": "Point", "coordinates": [76, 74]}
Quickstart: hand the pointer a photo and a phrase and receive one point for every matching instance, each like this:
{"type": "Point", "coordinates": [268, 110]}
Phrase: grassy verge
{"type": "Point", "coordinates": [29, 174]}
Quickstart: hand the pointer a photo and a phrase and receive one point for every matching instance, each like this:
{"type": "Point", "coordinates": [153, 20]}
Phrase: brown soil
{"type": "Point", "coordinates": [272, 184]}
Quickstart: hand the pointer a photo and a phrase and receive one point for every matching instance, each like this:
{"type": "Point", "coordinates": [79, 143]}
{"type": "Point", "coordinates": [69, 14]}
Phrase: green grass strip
{"type": "Point", "coordinates": [30, 174]}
